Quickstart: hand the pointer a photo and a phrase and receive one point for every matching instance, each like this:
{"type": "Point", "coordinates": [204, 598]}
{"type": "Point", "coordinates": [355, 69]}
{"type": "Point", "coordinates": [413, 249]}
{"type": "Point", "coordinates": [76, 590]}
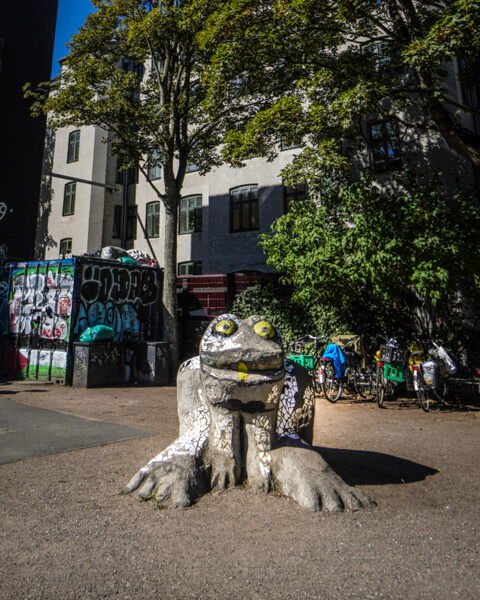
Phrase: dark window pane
{"type": "Point", "coordinates": [131, 222]}
{"type": "Point", "coordinates": [117, 222]}
{"type": "Point", "coordinates": [244, 208]}
{"type": "Point", "coordinates": [254, 215]}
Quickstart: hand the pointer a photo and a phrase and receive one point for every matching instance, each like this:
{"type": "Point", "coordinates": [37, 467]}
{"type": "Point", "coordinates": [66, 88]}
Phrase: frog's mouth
{"type": "Point", "coordinates": [241, 373]}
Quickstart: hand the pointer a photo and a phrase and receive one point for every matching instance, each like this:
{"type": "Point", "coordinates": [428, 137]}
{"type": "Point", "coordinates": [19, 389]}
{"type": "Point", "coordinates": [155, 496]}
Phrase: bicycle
{"type": "Point", "coordinates": [390, 360]}
{"type": "Point", "coordinates": [430, 365]}
{"type": "Point", "coordinates": [310, 362]}
{"type": "Point", "coordinates": [358, 375]}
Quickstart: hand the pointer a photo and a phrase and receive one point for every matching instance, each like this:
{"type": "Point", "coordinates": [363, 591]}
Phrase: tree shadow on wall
{"type": "Point", "coordinates": [373, 468]}
{"type": "Point", "coordinates": [43, 239]}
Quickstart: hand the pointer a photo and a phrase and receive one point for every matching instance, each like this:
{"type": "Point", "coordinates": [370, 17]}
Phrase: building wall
{"type": "Point", "coordinates": [85, 226]}
{"type": "Point", "coordinates": [217, 248]}
{"type": "Point", "coordinates": [26, 50]}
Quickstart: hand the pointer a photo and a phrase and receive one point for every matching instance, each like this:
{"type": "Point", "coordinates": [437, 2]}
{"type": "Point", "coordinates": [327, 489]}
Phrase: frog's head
{"type": "Point", "coordinates": [242, 363]}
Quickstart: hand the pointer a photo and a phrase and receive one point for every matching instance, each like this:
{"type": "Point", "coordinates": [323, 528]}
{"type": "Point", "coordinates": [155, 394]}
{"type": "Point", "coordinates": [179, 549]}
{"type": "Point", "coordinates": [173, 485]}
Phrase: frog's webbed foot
{"type": "Point", "coordinates": [302, 474]}
{"type": "Point", "coordinates": [178, 481]}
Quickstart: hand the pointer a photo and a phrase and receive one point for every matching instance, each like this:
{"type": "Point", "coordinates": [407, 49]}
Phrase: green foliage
{"type": "Point", "coordinates": [381, 257]}
{"type": "Point", "coordinates": [292, 318]}
{"type": "Point", "coordinates": [327, 58]}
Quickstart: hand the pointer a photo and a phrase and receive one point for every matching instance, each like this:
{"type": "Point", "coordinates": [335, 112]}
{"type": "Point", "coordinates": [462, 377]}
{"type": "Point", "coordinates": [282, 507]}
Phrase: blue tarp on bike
{"type": "Point", "coordinates": [334, 352]}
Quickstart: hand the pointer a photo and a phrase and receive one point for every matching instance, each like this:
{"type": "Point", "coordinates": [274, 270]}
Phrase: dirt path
{"type": "Point", "coordinates": [67, 533]}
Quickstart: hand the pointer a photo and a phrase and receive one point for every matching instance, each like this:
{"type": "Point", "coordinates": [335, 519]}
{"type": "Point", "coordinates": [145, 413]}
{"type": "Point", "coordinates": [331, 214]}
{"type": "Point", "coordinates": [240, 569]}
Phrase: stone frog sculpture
{"type": "Point", "coordinates": [246, 414]}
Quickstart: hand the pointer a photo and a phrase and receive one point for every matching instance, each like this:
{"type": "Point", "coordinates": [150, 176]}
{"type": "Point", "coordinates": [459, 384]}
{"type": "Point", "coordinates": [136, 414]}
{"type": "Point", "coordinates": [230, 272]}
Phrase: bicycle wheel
{"type": "Point", "coordinates": [380, 387]}
{"type": "Point", "coordinates": [442, 390]}
{"type": "Point", "coordinates": [332, 385]}
{"type": "Point", "coordinates": [316, 377]}
{"type": "Point", "coordinates": [363, 381]}
{"type": "Point", "coordinates": [422, 393]}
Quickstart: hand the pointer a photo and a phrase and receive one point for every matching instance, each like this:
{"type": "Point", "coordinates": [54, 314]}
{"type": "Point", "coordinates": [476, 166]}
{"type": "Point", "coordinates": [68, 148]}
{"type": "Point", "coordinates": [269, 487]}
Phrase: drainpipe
{"type": "Point", "coordinates": [124, 210]}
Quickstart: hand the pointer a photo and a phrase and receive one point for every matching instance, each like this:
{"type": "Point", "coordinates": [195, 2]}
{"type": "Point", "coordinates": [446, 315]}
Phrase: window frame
{"type": "Point", "coordinates": [241, 205]}
{"type": "Point", "coordinates": [154, 171]}
{"type": "Point", "coordinates": [293, 194]}
{"type": "Point", "coordinates": [68, 250]}
{"type": "Point", "coordinates": [193, 214]}
{"type": "Point", "coordinates": [191, 167]}
{"type": "Point", "coordinates": [383, 143]}
{"type": "Point", "coordinates": [152, 220]}
{"type": "Point", "coordinates": [73, 151]}
{"type": "Point", "coordinates": [196, 264]}
{"type": "Point", "coordinates": [69, 197]}
{"type": "Point", "coordinates": [131, 222]}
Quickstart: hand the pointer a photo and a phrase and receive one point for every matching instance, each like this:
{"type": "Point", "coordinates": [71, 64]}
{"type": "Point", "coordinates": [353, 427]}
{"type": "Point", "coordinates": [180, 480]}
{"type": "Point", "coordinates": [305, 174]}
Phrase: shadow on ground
{"type": "Point", "coordinates": [373, 468]}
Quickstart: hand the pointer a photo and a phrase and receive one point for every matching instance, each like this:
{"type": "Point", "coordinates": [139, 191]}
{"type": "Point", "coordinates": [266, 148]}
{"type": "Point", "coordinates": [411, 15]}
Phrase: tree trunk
{"type": "Point", "coordinates": [170, 321]}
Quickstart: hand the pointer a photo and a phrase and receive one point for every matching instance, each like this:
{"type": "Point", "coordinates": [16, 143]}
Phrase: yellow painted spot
{"type": "Point", "coordinates": [242, 372]}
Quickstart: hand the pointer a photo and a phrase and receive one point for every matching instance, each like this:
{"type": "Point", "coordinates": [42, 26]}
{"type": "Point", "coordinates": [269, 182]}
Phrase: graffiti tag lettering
{"type": "Point", "coordinates": [117, 284]}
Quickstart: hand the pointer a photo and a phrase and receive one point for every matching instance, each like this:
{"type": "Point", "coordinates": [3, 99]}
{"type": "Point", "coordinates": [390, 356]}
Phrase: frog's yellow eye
{"type": "Point", "coordinates": [264, 329]}
{"type": "Point", "coordinates": [225, 327]}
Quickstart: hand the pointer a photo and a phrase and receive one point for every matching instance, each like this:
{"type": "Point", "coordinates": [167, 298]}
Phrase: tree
{"type": "Point", "coordinates": [138, 68]}
{"type": "Point", "coordinates": [354, 60]}
{"type": "Point", "coordinates": [406, 248]}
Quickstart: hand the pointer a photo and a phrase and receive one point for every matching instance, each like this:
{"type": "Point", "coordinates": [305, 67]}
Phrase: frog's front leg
{"type": "Point", "coordinates": [302, 474]}
{"type": "Point", "coordinates": [223, 454]}
{"type": "Point", "coordinates": [176, 476]}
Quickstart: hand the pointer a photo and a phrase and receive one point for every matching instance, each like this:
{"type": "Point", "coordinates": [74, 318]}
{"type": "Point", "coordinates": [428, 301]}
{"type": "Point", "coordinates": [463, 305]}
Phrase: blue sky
{"type": "Point", "coordinates": [71, 15]}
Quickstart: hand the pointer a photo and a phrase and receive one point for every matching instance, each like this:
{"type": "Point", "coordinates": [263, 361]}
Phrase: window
{"type": "Point", "coordinates": [190, 217]}
{"type": "Point", "coordinates": [126, 176]}
{"type": "Point", "coordinates": [69, 198]}
{"type": "Point", "coordinates": [152, 220]}
{"type": "Point", "coordinates": [154, 166]}
{"type": "Point", "coordinates": [73, 146]}
{"type": "Point", "coordinates": [131, 222]}
{"type": "Point", "coordinates": [193, 267]}
{"type": "Point", "coordinates": [132, 66]}
{"type": "Point", "coordinates": [384, 145]}
{"type": "Point", "coordinates": [470, 95]}
{"type": "Point", "coordinates": [117, 221]}
{"type": "Point", "coordinates": [66, 248]}
{"type": "Point", "coordinates": [244, 208]}
{"type": "Point", "coordinates": [382, 54]}
{"type": "Point", "coordinates": [290, 144]}
{"type": "Point", "coordinates": [293, 194]}
{"type": "Point", "coordinates": [191, 167]}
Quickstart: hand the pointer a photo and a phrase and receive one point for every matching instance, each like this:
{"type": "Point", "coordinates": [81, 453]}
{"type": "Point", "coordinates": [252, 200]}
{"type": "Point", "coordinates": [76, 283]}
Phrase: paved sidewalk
{"type": "Point", "coordinates": [68, 533]}
{"type": "Point", "coordinates": [29, 431]}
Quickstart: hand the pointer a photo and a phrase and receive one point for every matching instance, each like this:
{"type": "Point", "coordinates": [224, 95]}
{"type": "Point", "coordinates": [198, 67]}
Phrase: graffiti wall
{"type": "Point", "coordinates": [50, 303]}
{"type": "Point", "coordinates": [124, 298]}
{"type": "Point", "coordinates": [4, 272]}
{"type": "Point", "coordinates": [40, 301]}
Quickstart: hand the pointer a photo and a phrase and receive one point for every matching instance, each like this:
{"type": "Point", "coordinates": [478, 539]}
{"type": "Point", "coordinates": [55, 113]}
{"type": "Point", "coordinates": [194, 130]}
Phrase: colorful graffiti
{"type": "Point", "coordinates": [116, 296]}
{"type": "Point", "coordinates": [4, 272]}
{"type": "Point", "coordinates": [51, 302]}
{"type": "Point", "coordinates": [40, 302]}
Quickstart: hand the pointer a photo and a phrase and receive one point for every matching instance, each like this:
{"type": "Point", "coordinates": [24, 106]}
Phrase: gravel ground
{"type": "Point", "coordinates": [68, 533]}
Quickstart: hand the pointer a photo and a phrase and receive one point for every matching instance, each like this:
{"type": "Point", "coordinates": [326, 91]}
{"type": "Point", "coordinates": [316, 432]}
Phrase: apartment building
{"type": "Point", "coordinates": [26, 50]}
{"type": "Point", "coordinates": [88, 203]}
